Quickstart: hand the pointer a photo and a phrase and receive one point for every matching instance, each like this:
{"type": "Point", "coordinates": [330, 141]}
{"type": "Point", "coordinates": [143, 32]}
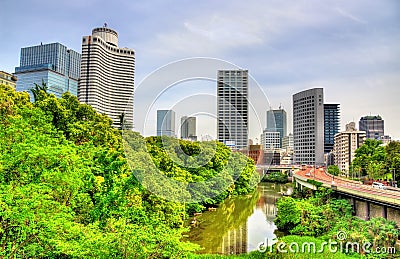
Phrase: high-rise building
{"type": "Point", "coordinates": [188, 128]}
{"type": "Point", "coordinates": [8, 79]}
{"type": "Point", "coordinates": [287, 142]}
{"type": "Point", "coordinates": [232, 107]}
{"type": "Point", "coordinates": [166, 123]}
{"type": "Point", "coordinates": [270, 140]}
{"type": "Point", "coordinates": [107, 76]}
{"type": "Point", "coordinates": [373, 126]}
{"type": "Point", "coordinates": [331, 125]}
{"type": "Point", "coordinates": [308, 126]}
{"type": "Point", "coordinates": [54, 64]}
{"type": "Point", "coordinates": [345, 146]}
{"type": "Point", "coordinates": [277, 122]}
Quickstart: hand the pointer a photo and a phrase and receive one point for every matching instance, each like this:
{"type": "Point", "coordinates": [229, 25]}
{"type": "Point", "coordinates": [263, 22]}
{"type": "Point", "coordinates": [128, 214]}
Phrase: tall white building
{"type": "Point", "coordinates": [232, 107]}
{"type": "Point", "coordinates": [287, 142]}
{"type": "Point", "coordinates": [308, 126]}
{"type": "Point", "coordinates": [107, 76]}
{"type": "Point", "coordinates": [345, 146]}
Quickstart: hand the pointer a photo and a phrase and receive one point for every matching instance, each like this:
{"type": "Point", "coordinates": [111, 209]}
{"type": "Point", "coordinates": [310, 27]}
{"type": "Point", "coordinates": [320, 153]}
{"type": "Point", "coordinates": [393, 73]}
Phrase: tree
{"type": "Point", "coordinates": [39, 91]}
{"type": "Point", "coordinates": [392, 163]}
{"type": "Point", "coordinates": [334, 170]}
{"type": "Point", "coordinates": [369, 157]}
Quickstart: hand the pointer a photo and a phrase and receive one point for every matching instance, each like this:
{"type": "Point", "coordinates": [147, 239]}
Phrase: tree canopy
{"type": "Point", "coordinates": [68, 189]}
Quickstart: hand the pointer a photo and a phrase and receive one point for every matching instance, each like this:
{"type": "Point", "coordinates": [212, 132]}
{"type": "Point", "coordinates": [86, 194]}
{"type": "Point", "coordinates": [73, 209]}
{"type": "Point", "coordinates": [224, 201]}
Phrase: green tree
{"type": "Point", "coordinates": [392, 163]}
{"type": "Point", "coordinates": [334, 170]}
{"type": "Point", "coordinates": [369, 158]}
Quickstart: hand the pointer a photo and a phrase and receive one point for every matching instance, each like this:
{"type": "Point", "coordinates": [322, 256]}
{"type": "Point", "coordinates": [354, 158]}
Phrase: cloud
{"type": "Point", "coordinates": [350, 16]}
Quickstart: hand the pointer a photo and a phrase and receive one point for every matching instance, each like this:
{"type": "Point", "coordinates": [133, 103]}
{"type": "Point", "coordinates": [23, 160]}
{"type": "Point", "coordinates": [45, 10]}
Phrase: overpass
{"type": "Point", "coordinates": [367, 201]}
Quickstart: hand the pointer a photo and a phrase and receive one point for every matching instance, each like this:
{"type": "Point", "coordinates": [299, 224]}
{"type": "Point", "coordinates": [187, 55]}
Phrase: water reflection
{"type": "Point", "coordinates": [241, 223]}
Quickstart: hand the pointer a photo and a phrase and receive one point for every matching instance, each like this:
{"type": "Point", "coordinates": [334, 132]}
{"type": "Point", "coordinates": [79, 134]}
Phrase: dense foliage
{"type": "Point", "coordinates": [323, 216]}
{"type": "Point", "coordinates": [376, 161]}
{"type": "Point", "coordinates": [67, 188]}
{"type": "Point", "coordinates": [276, 177]}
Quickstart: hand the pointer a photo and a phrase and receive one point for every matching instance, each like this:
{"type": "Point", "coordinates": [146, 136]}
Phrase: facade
{"type": "Point", "coordinates": [8, 79]}
{"type": "Point", "coordinates": [386, 139]}
{"type": "Point", "coordinates": [107, 76]}
{"type": "Point", "coordinates": [166, 123]}
{"type": "Point", "coordinates": [277, 122]}
{"type": "Point", "coordinates": [373, 126]}
{"type": "Point", "coordinates": [188, 128]}
{"type": "Point", "coordinates": [270, 140]}
{"type": "Point", "coordinates": [54, 64]}
{"type": "Point", "coordinates": [331, 125]}
{"type": "Point", "coordinates": [232, 108]}
{"type": "Point", "coordinates": [308, 126]}
{"type": "Point", "coordinates": [287, 142]}
{"type": "Point", "coordinates": [345, 146]}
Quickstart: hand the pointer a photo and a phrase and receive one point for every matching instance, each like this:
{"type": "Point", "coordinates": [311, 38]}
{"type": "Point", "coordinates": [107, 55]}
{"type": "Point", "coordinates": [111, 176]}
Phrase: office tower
{"type": "Point", "coordinates": [276, 122]}
{"type": "Point", "coordinates": [331, 125]}
{"type": "Point", "coordinates": [188, 128]}
{"type": "Point", "coordinates": [107, 76]}
{"type": "Point", "coordinates": [166, 123]}
{"type": "Point", "coordinates": [232, 107]}
{"type": "Point", "coordinates": [270, 140]}
{"type": "Point", "coordinates": [287, 142]}
{"type": "Point", "coordinates": [373, 126]}
{"type": "Point", "coordinates": [8, 79]}
{"type": "Point", "coordinates": [308, 126]}
{"type": "Point", "coordinates": [346, 143]}
{"type": "Point", "coordinates": [52, 64]}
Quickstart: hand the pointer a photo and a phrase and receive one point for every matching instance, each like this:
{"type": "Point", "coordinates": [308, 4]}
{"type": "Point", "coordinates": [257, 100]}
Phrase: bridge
{"type": "Point", "coordinates": [265, 168]}
{"type": "Point", "coordinates": [367, 201]}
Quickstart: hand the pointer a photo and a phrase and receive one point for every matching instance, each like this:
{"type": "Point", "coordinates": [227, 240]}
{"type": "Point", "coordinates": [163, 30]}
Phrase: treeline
{"type": "Point", "coordinates": [72, 186]}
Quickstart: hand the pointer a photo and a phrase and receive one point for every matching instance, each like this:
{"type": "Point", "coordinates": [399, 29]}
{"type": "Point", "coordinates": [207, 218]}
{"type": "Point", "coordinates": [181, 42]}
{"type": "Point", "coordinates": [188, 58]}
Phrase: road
{"type": "Point", "coordinates": [321, 176]}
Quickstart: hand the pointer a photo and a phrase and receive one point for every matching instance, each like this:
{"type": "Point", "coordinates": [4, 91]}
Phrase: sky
{"type": "Point", "coordinates": [350, 48]}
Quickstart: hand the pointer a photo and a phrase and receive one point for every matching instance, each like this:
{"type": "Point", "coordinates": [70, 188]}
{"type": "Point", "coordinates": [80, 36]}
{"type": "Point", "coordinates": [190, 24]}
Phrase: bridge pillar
{"type": "Point", "coordinates": [353, 205]}
{"type": "Point", "coordinates": [384, 212]}
{"type": "Point", "coordinates": [367, 211]}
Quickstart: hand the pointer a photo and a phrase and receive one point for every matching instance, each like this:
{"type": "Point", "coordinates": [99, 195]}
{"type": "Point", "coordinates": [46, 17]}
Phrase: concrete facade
{"type": "Point", "coordinates": [308, 126]}
{"type": "Point", "coordinates": [345, 146]}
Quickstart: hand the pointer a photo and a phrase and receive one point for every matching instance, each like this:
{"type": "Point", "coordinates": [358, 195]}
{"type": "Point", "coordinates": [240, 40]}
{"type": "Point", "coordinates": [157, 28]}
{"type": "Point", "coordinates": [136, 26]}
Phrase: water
{"type": "Point", "coordinates": [240, 224]}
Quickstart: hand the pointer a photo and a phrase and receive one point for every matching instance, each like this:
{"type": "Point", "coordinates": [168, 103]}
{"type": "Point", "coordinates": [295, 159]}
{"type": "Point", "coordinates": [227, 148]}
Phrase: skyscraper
{"type": "Point", "coordinates": [276, 122]}
{"type": "Point", "coordinates": [188, 128]}
{"type": "Point", "coordinates": [308, 126]}
{"type": "Point", "coordinates": [107, 76]}
{"type": "Point", "coordinates": [373, 126]}
{"type": "Point", "coordinates": [232, 107]}
{"type": "Point", "coordinates": [331, 125]}
{"type": "Point", "coordinates": [52, 64]}
{"type": "Point", "coordinates": [166, 123]}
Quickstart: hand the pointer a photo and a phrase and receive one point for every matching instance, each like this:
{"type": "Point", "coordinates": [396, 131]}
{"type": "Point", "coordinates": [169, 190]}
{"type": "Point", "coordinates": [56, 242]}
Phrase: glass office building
{"type": "Point", "coordinates": [331, 125]}
{"type": "Point", "coordinates": [54, 64]}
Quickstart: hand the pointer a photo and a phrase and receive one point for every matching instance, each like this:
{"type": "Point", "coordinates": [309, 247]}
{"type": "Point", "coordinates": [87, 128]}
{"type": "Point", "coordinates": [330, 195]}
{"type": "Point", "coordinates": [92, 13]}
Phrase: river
{"type": "Point", "coordinates": [240, 223]}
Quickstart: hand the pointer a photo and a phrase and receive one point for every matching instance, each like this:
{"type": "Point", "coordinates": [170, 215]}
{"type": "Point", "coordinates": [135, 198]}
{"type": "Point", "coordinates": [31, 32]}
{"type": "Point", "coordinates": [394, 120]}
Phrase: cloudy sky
{"type": "Point", "coordinates": [351, 48]}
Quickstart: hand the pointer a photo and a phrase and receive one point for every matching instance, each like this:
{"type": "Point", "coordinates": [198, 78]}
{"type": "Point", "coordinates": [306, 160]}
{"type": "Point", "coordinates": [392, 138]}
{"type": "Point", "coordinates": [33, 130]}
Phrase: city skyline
{"type": "Point", "coordinates": [349, 49]}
